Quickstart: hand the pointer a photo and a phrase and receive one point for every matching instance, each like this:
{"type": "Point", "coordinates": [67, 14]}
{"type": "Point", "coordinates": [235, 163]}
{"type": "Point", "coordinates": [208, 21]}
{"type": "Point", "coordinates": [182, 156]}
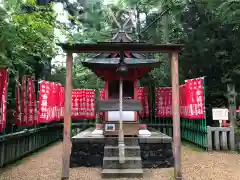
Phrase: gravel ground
{"type": "Point", "coordinates": [196, 165]}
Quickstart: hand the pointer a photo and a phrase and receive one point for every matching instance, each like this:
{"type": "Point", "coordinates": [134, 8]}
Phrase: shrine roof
{"type": "Point", "coordinates": [110, 55]}
{"type": "Point", "coordinates": [113, 62]}
{"type": "Point", "coordinates": [119, 46]}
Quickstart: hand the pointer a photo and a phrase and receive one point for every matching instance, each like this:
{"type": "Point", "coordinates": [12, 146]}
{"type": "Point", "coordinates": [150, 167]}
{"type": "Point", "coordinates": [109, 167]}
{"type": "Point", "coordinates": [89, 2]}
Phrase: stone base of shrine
{"type": "Point", "coordinates": [88, 149]}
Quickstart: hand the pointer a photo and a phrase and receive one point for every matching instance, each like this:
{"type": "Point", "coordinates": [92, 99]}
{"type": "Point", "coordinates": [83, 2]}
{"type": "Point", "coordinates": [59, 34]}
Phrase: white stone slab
{"type": "Point", "coordinates": [115, 115]}
{"type": "Point", "coordinates": [144, 133]}
{"type": "Point", "coordinates": [97, 132]}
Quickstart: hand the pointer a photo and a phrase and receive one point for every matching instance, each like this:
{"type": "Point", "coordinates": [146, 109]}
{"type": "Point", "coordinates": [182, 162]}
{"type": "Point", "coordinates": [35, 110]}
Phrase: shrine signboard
{"type": "Point", "coordinates": [220, 114]}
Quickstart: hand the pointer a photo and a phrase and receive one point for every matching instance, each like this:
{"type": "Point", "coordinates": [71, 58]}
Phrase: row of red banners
{"type": "Point", "coordinates": [51, 101]}
{"type": "Point", "coordinates": [191, 100]}
{"type": "Point", "coordinates": [26, 109]}
{"type": "Point", "coordinates": [3, 98]}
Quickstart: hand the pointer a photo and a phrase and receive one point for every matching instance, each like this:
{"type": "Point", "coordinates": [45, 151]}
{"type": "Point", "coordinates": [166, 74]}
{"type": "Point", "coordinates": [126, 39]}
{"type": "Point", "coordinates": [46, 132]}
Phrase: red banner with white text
{"type": "Point", "coordinates": [61, 102]}
{"type": "Point", "coordinates": [102, 97]}
{"type": "Point", "coordinates": [30, 103]}
{"type": "Point", "coordinates": [24, 108]}
{"type": "Point", "coordinates": [3, 98]}
{"type": "Point", "coordinates": [83, 104]}
{"type": "Point", "coordinates": [191, 100]}
{"type": "Point", "coordinates": [34, 101]}
{"type": "Point", "coordinates": [164, 102]}
{"type": "Point", "coordinates": [43, 102]}
{"type": "Point", "coordinates": [143, 98]}
{"type": "Point", "coordinates": [18, 103]}
{"type": "Point", "coordinates": [26, 102]}
{"type": "Point", "coordinates": [51, 103]}
{"type": "Point", "coordinates": [194, 94]}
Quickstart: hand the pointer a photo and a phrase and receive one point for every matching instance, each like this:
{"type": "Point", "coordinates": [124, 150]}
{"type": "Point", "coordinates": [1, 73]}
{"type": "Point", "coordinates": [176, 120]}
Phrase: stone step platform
{"type": "Point", "coordinates": [128, 141]}
{"type": "Point", "coordinates": [130, 151]}
{"type": "Point", "coordinates": [130, 163]}
{"type": "Point", "coordinates": [89, 151]}
{"type": "Point", "coordinates": [121, 173]}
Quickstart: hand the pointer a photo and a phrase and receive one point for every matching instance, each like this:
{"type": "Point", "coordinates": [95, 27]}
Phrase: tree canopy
{"type": "Point", "coordinates": [208, 28]}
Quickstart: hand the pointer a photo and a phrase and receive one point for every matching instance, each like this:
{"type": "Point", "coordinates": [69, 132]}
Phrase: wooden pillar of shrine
{"type": "Point", "coordinates": [176, 116]}
{"type": "Point", "coordinates": [67, 118]}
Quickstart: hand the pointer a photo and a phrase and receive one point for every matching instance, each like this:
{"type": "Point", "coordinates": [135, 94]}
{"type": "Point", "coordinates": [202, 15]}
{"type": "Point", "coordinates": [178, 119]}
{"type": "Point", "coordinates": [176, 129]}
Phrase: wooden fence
{"type": "Point", "coordinates": [15, 146]}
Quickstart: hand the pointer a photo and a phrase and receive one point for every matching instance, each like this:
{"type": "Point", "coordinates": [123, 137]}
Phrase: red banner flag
{"type": "Point", "coordinates": [34, 101]}
{"type": "Point", "coordinates": [191, 100]}
{"type": "Point", "coordinates": [30, 107]}
{"type": "Point", "coordinates": [3, 77]}
{"type": "Point", "coordinates": [90, 103]}
{"type": "Point", "coordinates": [102, 97]}
{"type": "Point", "coordinates": [18, 104]}
{"type": "Point", "coordinates": [83, 104]}
{"type": "Point", "coordinates": [164, 102]}
{"type": "Point", "coordinates": [75, 105]}
{"type": "Point", "coordinates": [50, 101]}
{"type": "Point", "coordinates": [43, 116]}
{"type": "Point", "coordinates": [183, 101]}
{"type": "Point", "coordinates": [195, 98]}
{"type": "Point", "coordinates": [143, 98]}
{"type": "Point", "coordinates": [3, 98]}
{"type": "Point", "coordinates": [57, 103]}
{"type": "Point", "coordinates": [24, 101]}
{"type": "Point", "coordinates": [61, 102]}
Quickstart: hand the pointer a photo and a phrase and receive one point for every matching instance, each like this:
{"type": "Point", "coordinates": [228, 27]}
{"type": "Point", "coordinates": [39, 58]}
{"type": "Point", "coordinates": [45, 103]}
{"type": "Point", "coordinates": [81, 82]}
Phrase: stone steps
{"type": "Point", "coordinates": [132, 167]}
{"type": "Point", "coordinates": [120, 173]}
{"type": "Point", "coordinates": [128, 141]}
{"type": "Point", "coordinates": [130, 163]}
{"type": "Point", "coordinates": [130, 151]}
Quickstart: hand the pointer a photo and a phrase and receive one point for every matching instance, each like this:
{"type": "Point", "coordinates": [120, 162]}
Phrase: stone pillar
{"type": "Point", "coordinates": [231, 94]}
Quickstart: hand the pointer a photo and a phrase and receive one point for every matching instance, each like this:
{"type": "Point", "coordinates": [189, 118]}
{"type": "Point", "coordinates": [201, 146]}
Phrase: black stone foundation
{"type": "Point", "coordinates": [157, 155]}
{"type": "Point", "coordinates": [86, 154]}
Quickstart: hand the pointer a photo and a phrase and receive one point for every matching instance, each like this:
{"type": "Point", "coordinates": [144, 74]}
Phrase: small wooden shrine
{"type": "Point", "coordinates": [120, 64]}
{"type": "Point", "coordinates": [106, 66]}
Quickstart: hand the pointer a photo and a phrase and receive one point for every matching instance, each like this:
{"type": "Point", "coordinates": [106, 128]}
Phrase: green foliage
{"type": "Point", "coordinates": [209, 29]}
{"type": "Point", "coordinates": [93, 27]}
{"type": "Point", "coordinates": [25, 35]}
{"type": "Point", "coordinates": [26, 40]}
{"type": "Point", "coordinates": [211, 45]}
